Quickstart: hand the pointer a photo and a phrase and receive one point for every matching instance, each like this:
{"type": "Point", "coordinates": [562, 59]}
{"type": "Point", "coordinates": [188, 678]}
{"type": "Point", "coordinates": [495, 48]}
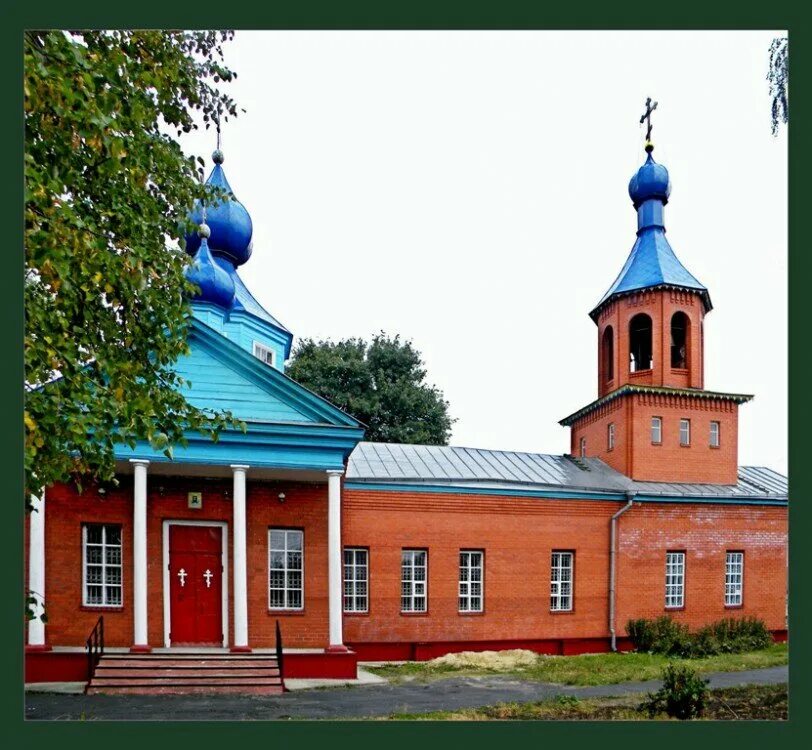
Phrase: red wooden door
{"type": "Point", "coordinates": [195, 585]}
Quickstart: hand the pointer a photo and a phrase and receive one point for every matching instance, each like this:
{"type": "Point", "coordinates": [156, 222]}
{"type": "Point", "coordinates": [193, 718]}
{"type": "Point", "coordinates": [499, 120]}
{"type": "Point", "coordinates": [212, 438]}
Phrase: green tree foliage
{"type": "Point", "coordinates": [107, 188]}
{"type": "Point", "coordinates": [382, 383]}
{"type": "Point", "coordinates": [778, 78]}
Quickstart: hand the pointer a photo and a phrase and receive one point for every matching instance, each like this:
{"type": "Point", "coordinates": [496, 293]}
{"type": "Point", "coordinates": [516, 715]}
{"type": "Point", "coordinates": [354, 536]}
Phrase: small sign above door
{"type": "Point", "coordinates": [195, 500]}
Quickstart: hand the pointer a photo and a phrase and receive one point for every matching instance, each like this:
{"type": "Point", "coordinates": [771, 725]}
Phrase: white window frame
{"type": "Point", "coordinates": [582, 447]}
{"type": "Point", "coordinates": [262, 351]}
{"type": "Point", "coordinates": [685, 428]}
{"type": "Point", "coordinates": [356, 573]}
{"type": "Point", "coordinates": [562, 572]}
{"type": "Point", "coordinates": [674, 579]}
{"type": "Point", "coordinates": [656, 428]}
{"type": "Point", "coordinates": [472, 563]}
{"type": "Point", "coordinates": [715, 439]}
{"type": "Point", "coordinates": [104, 565]}
{"type": "Point", "coordinates": [412, 588]}
{"type": "Point", "coordinates": [734, 578]}
{"type": "Point", "coordinates": [610, 436]}
{"type": "Point", "coordinates": [287, 570]}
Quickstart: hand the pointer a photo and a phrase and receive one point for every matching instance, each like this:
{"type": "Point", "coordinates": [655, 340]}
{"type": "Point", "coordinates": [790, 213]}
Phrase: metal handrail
{"type": "Point", "coordinates": [279, 654]}
{"type": "Point", "coordinates": [95, 647]}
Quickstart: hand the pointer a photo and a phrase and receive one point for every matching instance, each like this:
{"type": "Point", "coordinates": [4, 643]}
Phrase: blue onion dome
{"type": "Point", "coordinates": [650, 181]}
{"type": "Point", "coordinates": [216, 284]}
{"type": "Point", "coordinates": [230, 223]}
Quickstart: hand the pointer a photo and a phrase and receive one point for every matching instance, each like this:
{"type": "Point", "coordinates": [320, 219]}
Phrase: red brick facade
{"type": "Point", "coordinates": [631, 447]}
{"type": "Point", "coordinates": [636, 455]}
{"type": "Point", "coordinates": [516, 534]}
{"type": "Point", "coordinates": [660, 306]}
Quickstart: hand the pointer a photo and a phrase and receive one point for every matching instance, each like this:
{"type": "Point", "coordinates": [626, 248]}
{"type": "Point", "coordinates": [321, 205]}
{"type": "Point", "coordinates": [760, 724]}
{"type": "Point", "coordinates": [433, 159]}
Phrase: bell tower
{"type": "Point", "coordinates": [653, 419]}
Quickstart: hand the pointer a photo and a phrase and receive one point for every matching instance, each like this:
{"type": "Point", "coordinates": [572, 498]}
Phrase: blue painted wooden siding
{"type": "Point", "coordinates": [217, 386]}
{"type": "Point", "coordinates": [244, 331]}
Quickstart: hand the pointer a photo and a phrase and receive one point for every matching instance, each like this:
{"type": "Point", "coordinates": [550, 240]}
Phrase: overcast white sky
{"type": "Point", "coordinates": [468, 190]}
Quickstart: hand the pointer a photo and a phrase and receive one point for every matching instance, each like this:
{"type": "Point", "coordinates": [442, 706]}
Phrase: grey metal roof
{"type": "Point", "coordinates": [450, 466]}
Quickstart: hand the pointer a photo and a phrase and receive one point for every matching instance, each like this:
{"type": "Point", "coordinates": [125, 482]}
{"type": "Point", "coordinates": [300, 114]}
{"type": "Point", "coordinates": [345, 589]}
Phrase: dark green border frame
{"type": "Point", "coordinates": [417, 14]}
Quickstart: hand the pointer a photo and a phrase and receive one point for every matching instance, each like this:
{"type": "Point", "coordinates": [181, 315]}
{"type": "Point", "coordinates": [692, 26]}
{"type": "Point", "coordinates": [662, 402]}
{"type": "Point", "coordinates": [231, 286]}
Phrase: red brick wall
{"type": "Point", "coordinates": [660, 306]}
{"type": "Point", "coordinates": [517, 535]}
{"type": "Point", "coordinates": [305, 507]}
{"type": "Point", "coordinates": [705, 533]}
{"type": "Point", "coordinates": [636, 456]}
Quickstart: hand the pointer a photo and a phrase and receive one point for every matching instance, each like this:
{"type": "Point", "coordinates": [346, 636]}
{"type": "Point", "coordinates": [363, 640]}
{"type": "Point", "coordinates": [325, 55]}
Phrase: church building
{"type": "Point", "coordinates": [297, 549]}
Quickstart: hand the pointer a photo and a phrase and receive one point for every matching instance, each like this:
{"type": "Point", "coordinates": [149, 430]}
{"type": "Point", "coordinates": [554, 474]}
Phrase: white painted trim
{"type": "Point", "coordinates": [36, 569]}
{"type": "Point", "coordinates": [140, 574]}
{"type": "Point", "coordinates": [165, 559]}
{"type": "Point", "coordinates": [335, 568]}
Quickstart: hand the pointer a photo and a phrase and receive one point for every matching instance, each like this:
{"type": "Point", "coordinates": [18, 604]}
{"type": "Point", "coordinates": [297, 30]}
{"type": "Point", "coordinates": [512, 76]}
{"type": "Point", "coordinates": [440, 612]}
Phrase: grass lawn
{"type": "Point", "coordinates": [591, 669]}
{"type": "Point", "coordinates": [750, 702]}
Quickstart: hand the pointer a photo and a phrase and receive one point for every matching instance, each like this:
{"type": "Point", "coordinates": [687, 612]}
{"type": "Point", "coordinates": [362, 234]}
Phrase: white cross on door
{"type": "Point", "coordinates": [182, 575]}
{"type": "Point", "coordinates": [208, 575]}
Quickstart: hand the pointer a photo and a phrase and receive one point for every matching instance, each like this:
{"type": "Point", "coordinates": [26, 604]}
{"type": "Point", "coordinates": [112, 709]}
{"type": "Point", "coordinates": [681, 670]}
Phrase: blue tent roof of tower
{"type": "Point", "coordinates": [651, 263]}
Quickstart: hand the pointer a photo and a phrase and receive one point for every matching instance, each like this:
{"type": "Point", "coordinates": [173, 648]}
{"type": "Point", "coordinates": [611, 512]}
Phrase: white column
{"type": "Point", "coordinates": [240, 561]}
{"type": "Point", "coordinates": [36, 570]}
{"type": "Point", "coordinates": [334, 559]}
{"type": "Point", "coordinates": [140, 637]}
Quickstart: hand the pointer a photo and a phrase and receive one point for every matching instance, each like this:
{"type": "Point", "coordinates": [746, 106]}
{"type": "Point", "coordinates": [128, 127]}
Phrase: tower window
{"type": "Point", "coordinates": [685, 432]}
{"type": "Point", "coordinates": [714, 434]}
{"type": "Point", "coordinates": [266, 354]}
{"type": "Point", "coordinates": [608, 353]}
{"type": "Point", "coordinates": [582, 447]}
{"type": "Point", "coordinates": [610, 436]}
{"type": "Point", "coordinates": [640, 343]}
{"type": "Point", "coordinates": [680, 325]}
{"type": "Point", "coordinates": [656, 430]}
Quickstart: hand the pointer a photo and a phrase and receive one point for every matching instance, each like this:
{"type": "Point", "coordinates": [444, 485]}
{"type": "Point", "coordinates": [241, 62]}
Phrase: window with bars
{"type": "Point", "coordinates": [285, 569]}
{"type": "Point", "coordinates": [561, 581]}
{"type": "Point", "coordinates": [102, 574]}
{"type": "Point", "coordinates": [656, 430]}
{"type": "Point", "coordinates": [471, 581]}
{"type": "Point", "coordinates": [356, 579]}
{"type": "Point", "coordinates": [610, 436]}
{"type": "Point", "coordinates": [675, 579]}
{"type": "Point", "coordinates": [413, 564]}
{"type": "Point", "coordinates": [714, 434]}
{"type": "Point", "coordinates": [734, 578]}
{"type": "Point", "coordinates": [685, 432]}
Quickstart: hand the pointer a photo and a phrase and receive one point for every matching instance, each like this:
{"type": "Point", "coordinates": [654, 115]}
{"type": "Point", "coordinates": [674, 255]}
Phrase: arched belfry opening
{"type": "Point", "coordinates": [640, 343]}
{"type": "Point", "coordinates": [608, 354]}
{"type": "Point", "coordinates": [680, 328]}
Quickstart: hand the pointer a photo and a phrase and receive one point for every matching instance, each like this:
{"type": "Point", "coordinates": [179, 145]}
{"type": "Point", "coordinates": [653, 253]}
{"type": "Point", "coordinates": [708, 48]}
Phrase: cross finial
{"type": "Point", "coordinates": [650, 107]}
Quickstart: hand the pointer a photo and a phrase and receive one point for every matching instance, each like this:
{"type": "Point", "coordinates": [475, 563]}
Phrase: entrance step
{"type": "Point", "coordinates": [187, 673]}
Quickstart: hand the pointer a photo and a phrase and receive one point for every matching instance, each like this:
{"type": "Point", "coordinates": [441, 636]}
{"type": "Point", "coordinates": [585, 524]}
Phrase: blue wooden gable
{"type": "Point", "coordinates": [287, 426]}
{"type": "Point", "coordinates": [215, 384]}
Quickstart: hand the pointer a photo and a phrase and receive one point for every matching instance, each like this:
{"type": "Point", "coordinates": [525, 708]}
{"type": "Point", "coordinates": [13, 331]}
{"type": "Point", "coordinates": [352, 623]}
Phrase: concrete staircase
{"type": "Point", "coordinates": [186, 673]}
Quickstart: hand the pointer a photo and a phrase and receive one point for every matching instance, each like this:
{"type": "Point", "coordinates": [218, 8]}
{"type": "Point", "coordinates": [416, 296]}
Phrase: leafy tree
{"type": "Point", "coordinates": [382, 383]}
{"type": "Point", "coordinates": [778, 77]}
{"type": "Point", "coordinates": [107, 188]}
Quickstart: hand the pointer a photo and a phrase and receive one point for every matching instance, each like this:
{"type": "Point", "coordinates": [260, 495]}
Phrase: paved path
{"type": "Point", "coordinates": [353, 702]}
